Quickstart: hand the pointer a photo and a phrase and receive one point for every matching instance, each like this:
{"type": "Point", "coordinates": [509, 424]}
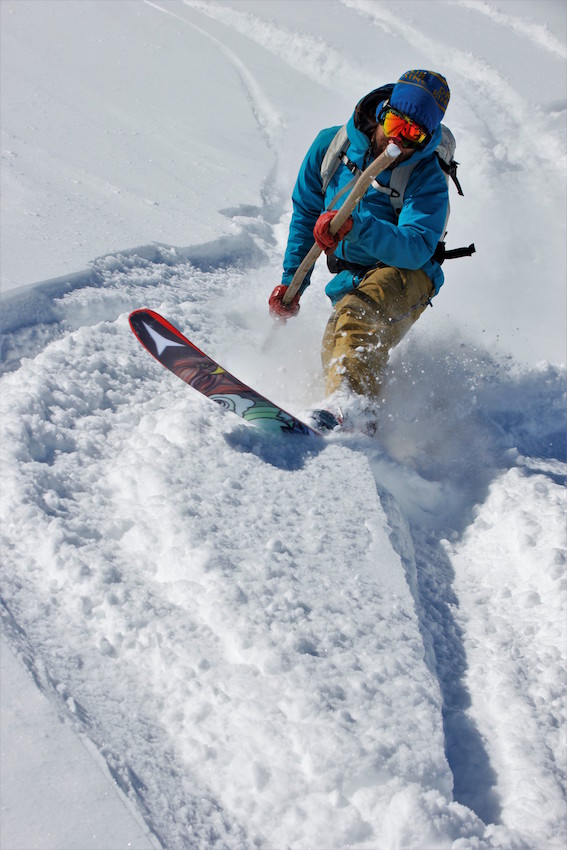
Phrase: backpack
{"type": "Point", "coordinates": [445, 150]}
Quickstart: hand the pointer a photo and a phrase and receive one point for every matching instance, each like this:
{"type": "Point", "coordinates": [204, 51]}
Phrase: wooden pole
{"type": "Point", "coordinates": [356, 194]}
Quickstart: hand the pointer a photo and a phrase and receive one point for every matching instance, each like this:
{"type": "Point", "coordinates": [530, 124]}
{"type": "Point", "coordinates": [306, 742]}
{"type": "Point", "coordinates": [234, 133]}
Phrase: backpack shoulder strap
{"type": "Point", "coordinates": [333, 157]}
{"type": "Point", "coordinates": [337, 153]}
{"type": "Point", "coordinates": [398, 182]}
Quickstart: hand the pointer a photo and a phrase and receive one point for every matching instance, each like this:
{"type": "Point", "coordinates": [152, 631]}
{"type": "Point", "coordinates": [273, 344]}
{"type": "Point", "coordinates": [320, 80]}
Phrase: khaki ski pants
{"type": "Point", "coordinates": [367, 323]}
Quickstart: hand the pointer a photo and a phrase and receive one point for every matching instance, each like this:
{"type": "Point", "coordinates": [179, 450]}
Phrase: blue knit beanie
{"type": "Point", "coordinates": [423, 96]}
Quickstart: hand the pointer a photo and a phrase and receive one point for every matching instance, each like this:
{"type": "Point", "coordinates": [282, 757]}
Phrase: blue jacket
{"type": "Point", "coordinates": [408, 243]}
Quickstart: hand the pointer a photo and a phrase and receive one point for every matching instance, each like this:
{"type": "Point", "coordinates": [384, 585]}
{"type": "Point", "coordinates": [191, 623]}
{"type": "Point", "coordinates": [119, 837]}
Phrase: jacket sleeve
{"type": "Point", "coordinates": [308, 204]}
{"type": "Point", "coordinates": [411, 242]}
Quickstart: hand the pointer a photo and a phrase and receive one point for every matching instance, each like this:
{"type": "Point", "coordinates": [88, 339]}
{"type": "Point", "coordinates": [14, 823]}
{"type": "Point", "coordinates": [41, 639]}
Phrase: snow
{"type": "Point", "coordinates": [72, 802]}
{"type": "Point", "coordinates": [214, 637]}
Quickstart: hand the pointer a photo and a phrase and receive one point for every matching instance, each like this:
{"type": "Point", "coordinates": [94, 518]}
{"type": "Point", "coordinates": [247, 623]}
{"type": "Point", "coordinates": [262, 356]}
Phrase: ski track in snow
{"type": "Point", "coordinates": [178, 627]}
{"type": "Point", "coordinates": [537, 33]}
{"type": "Point", "coordinates": [305, 53]}
{"type": "Point", "coordinates": [266, 115]}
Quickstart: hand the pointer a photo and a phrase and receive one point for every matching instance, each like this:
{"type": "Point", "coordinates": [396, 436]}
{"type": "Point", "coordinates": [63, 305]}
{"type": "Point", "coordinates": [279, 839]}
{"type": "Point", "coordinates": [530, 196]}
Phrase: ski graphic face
{"type": "Point", "coordinates": [180, 356]}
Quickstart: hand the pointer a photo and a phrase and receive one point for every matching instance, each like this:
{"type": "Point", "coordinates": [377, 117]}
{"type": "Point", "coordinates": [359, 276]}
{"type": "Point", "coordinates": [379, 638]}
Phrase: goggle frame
{"type": "Point", "coordinates": [406, 142]}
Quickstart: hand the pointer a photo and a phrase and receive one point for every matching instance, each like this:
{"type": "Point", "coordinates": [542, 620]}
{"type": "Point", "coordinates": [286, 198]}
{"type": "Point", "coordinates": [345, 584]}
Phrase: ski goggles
{"type": "Point", "coordinates": [396, 124]}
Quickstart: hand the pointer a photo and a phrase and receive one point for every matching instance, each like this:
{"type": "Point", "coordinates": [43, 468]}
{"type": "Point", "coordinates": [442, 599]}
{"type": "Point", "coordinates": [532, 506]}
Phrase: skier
{"type": "Point", "coordinates": [383, 263]}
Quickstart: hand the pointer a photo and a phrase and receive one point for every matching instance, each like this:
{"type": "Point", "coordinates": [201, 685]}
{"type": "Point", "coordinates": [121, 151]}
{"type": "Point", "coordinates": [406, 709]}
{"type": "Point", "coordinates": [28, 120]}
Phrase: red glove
{"type": "Point", "coordinates": [326, 240]}
{"type": "Point", "coordinates": [279, 310]}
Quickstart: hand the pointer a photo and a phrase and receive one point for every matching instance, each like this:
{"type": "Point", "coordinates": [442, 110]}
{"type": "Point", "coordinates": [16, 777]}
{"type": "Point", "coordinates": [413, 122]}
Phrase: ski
{"type": "Point", "coordinates": [174, 351]}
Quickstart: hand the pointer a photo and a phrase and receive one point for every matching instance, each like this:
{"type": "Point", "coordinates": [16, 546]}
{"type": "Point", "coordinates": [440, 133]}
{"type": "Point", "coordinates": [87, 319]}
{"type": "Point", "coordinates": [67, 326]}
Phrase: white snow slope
{"type": "Point", "coordinates": [271, 645]}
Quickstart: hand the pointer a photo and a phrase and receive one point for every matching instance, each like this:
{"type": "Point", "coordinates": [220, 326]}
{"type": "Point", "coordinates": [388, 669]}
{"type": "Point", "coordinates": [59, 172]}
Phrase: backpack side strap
{"type": "Point", "coordinates": [451, 169]}
{"type": "Point", "coordinates": [442, 254]}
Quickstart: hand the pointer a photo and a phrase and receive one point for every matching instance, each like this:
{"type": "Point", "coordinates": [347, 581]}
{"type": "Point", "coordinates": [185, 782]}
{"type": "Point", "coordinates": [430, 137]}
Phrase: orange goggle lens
{"type": "Point", "coordinates": [398, 125]}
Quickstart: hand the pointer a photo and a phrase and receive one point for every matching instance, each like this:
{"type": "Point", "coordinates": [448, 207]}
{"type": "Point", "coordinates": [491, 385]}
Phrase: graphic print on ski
{"type": "Point", "coordinates": [176, 353]}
